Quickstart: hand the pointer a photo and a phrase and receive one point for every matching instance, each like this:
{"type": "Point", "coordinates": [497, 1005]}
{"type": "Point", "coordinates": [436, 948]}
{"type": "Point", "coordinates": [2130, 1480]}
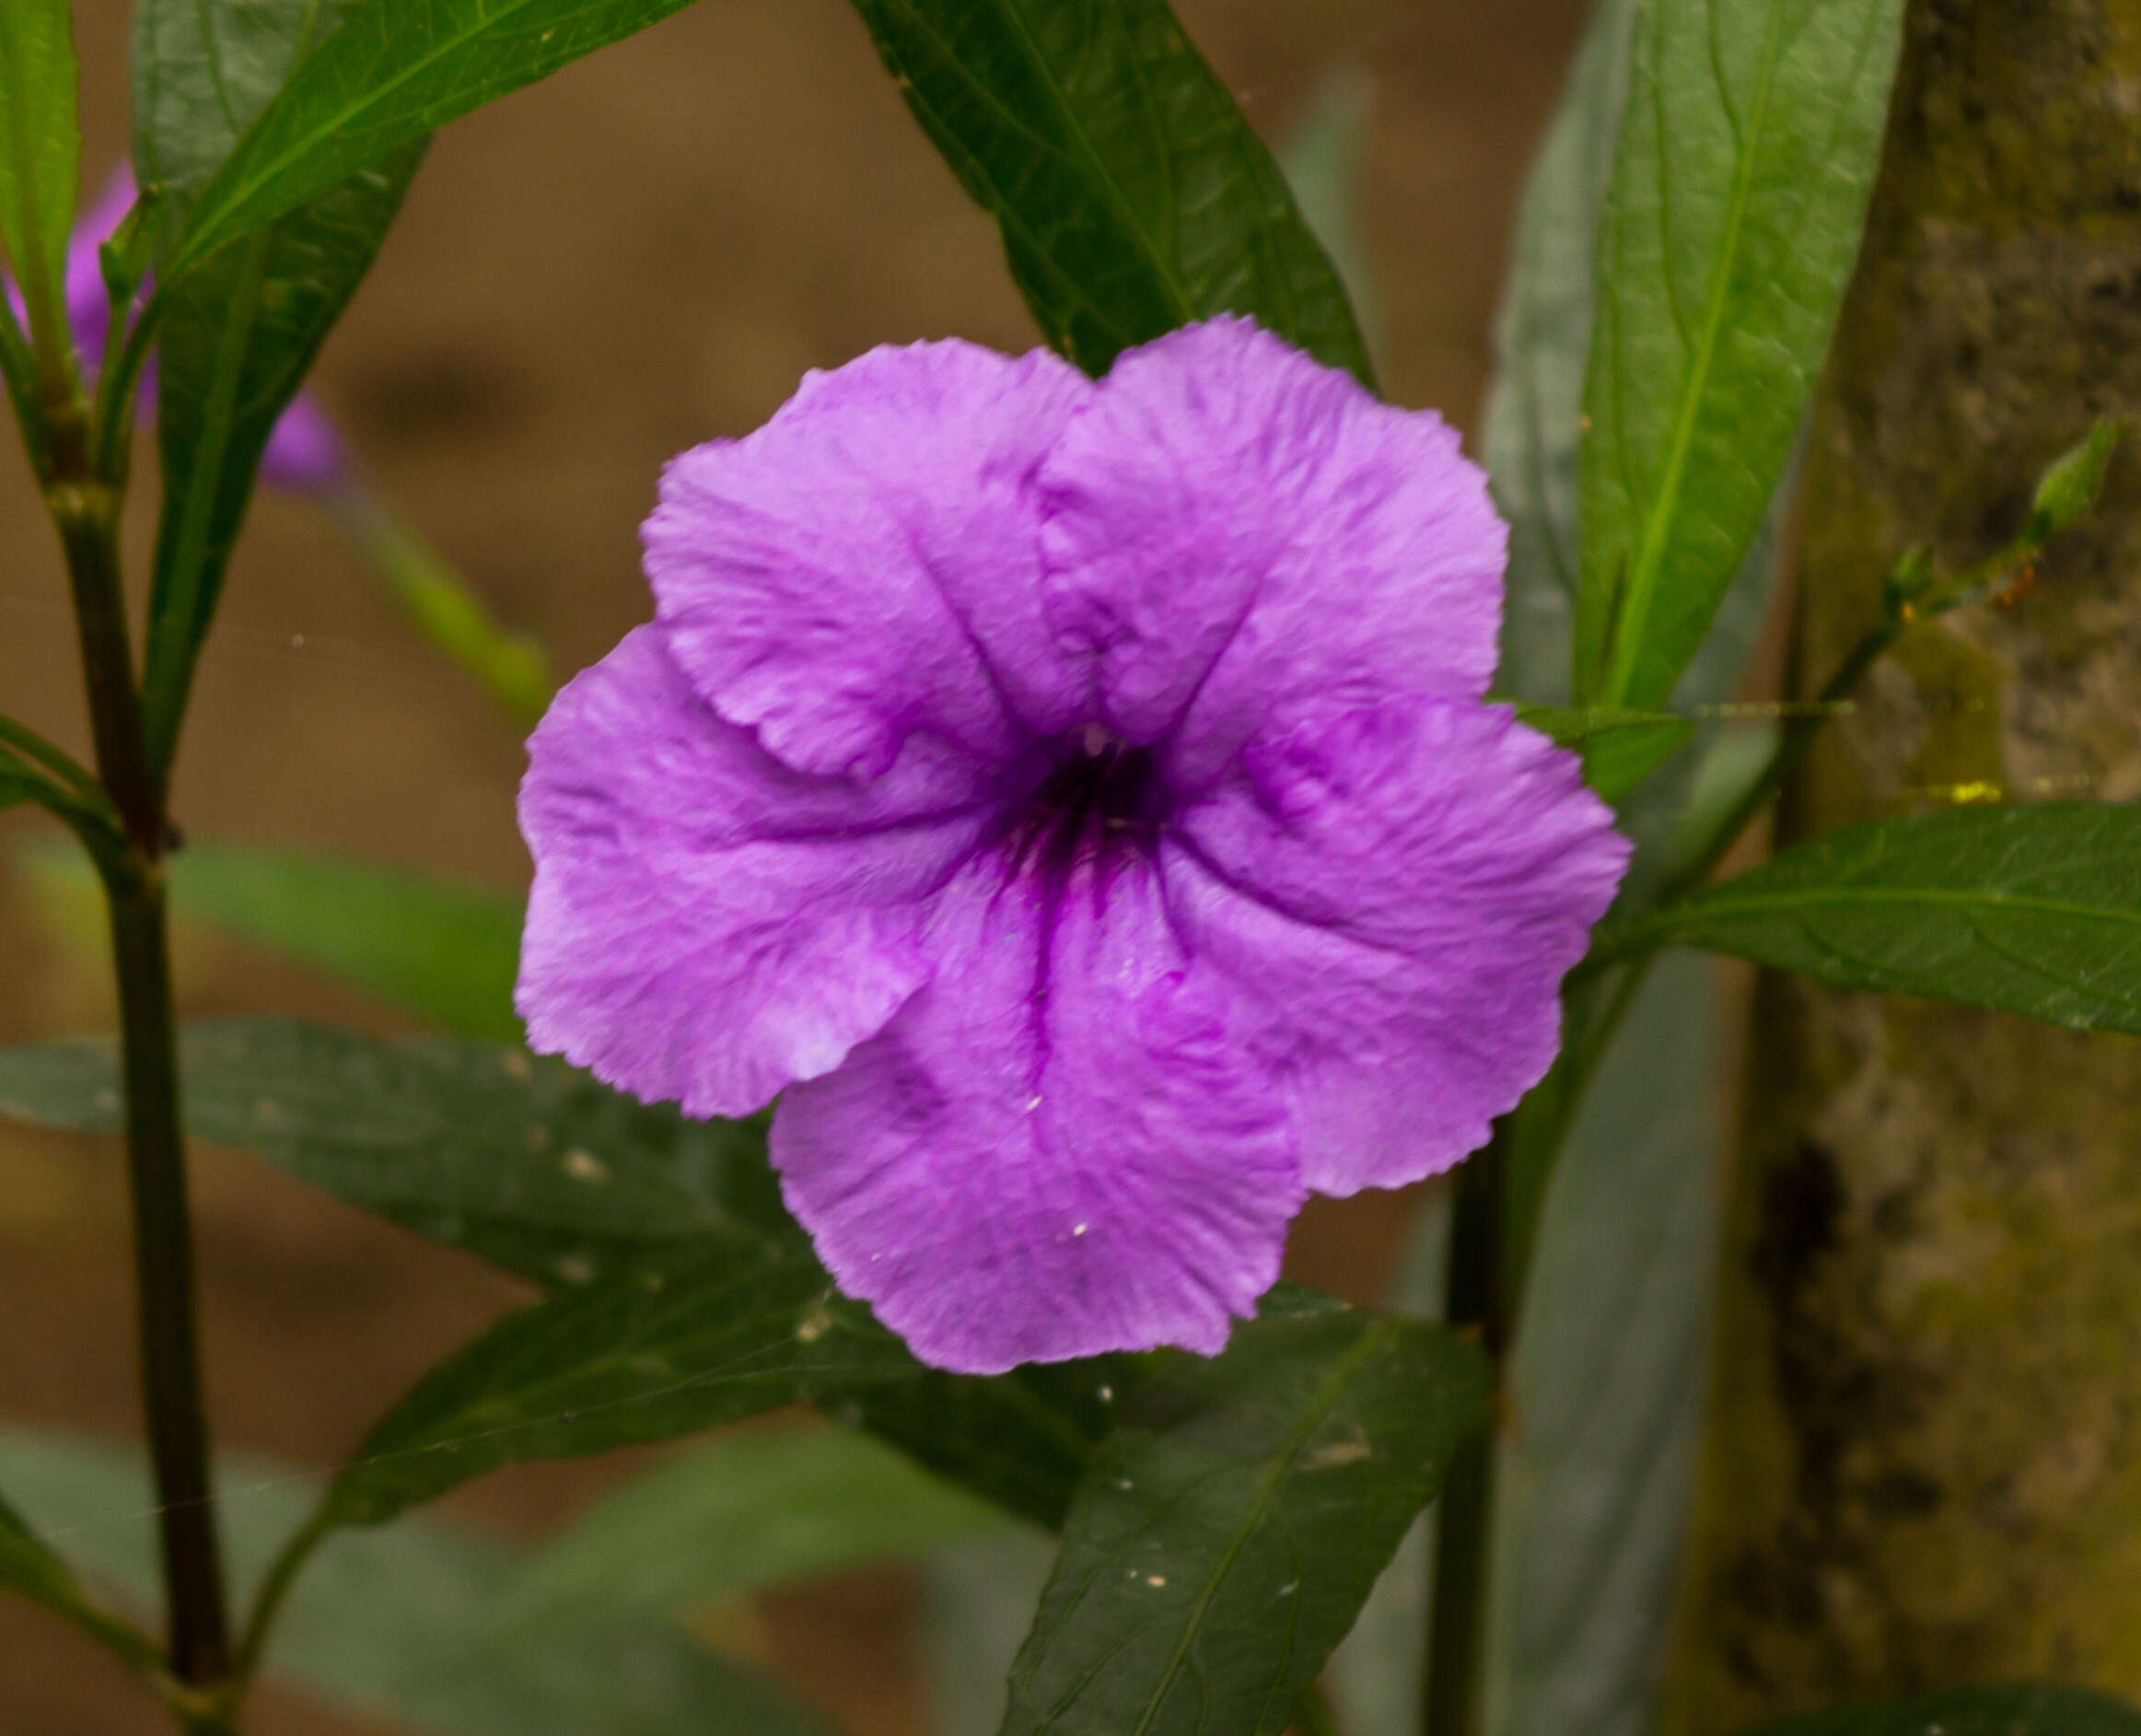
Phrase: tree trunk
{"type": "Point", "coordinates": [1924, 1458]}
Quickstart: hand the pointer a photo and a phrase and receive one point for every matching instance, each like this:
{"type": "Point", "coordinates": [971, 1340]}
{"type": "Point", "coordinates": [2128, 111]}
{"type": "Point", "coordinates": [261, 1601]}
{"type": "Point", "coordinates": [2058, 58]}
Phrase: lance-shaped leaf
{"type": "Point", "coordinates": [562, 1180]}
{"type": "Point", "coordinates": [391, 1623]}
{"type": "Point", "coordinates": [236, 336]}
{"type": "Point", "coordinates": [1225, 1536]}
{"type": "Point", "coordinates": [442, 951]}
{"type": "Point", "coordinates": [1132, 195]}
{"type": "Point", "coordinates": [394, 72]}
{"type": "Point", "coordinates": [728, 1330]}
{"type": "Point", "coordinates": [1746, 154]}
{"type": "Point", "coordinates": [738, 1513]}
{"type": "Point", "coordinates": [533, 1166]}
{"type": "Point", "coordinates": [2034, 910]}
{"type": "Point", "coordinates": [40, 149]}
{"type": "Point", "coordinates": [2031, 1710]}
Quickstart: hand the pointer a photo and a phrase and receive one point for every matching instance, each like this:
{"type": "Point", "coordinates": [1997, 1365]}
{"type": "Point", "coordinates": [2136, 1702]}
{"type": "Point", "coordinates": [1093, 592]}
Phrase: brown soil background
{"type": "Point", "coordinates": [640, 254]}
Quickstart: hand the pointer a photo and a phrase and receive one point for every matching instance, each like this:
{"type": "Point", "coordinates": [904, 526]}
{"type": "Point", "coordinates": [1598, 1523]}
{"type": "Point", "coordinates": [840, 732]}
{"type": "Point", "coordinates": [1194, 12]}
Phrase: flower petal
{"type": "Point", "coordinates": [1055, 1148]}
{"type": "Point", "coordinates": [1233, 524]}
{"type": "Point", "coordinates": [1399, 893]}
{"type": "Point", "coordinates": [705, 924]}
{"type": "Point", "coordinates": [866, 563]}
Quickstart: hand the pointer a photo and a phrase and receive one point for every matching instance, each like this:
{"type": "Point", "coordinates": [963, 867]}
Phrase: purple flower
{"type": "Point", "coordinates": [1079, 802]}
{"type": "Point", "coordinates": [304, 454]}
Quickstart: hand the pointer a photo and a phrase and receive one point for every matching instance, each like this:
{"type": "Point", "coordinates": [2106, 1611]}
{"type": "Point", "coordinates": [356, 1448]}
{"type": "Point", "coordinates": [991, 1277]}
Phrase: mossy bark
{"type": "Point", "coordinates": [1924, 1458]}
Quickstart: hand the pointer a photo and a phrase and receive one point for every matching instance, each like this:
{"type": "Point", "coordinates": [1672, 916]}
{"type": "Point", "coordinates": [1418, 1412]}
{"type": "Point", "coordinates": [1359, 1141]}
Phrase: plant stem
{"type": "Point", "coordinates": [1474, 1300]}
{"type": "Point", "coordinates": [86, 511]}
{"type": "Point", "coordinates": [163, 1249]}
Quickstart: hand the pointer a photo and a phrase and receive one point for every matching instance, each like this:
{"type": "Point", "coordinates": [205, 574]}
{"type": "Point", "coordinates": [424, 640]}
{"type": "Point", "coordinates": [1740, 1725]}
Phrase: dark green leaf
{"type": "Point", "coordinates": [40, 149]}
{"type": "Point", "coordinates": [736, 1514]}
{"type": "Point", "coordinates": [236, 334]}
{"type": "Point", "coordinates": [392, 1624]}
{"type": "Point", "coordinates": [1132, 195]}
{"type": "Point", "coordinates": [1225, 1537]}
{"type": "Point", "coordinates": [443, 952]}
{"type": "Point", "coordinates": [527, 1163]}
{"type": "Point", "coordinates": [730, 1329]}
{"type": "Point", "coordinates": [1620, 748]}
{"type": "Point", "coordinates": [560, 1180]}
{"type": "Point", "coordinates": [1746, 152]}
{"type": "Point", "coordinates": [396, 70]}
{"type": "Point", "coordinates": [2034, 910]}
{"type": "Point", "coordinates": [2003, 1711]}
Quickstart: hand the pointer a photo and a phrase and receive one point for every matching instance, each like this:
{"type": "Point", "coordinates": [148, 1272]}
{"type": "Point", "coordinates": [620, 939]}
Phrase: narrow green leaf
{"type": "Point", "coordinates": [441, 950]}
{"type": "Point", "coordinates": [1609, 1376]}
{"type": "Point", "coordinates": [732, 1516]}
{"type": "Point", "coordinates": [1225, 1537]}
{"type": "Point", "coordinates": [2036, 1711]}
{"type": "Point", "coordinates": [1746, 154]}
{"type": "Point", "coordinates": [2068, 487]}
{"type": "Point", "coordinates": [445, 953]}
{"type": "Point", "coordinates": [28, 1566]}
{"type": "Point", "coordinates": [729, 1330]}
{"type": "Point", "coordinates": [236, 336]}
{"type": "Point", "coordinates": [1542, 334]}
{"type": "Point", "coordinates": [395, 71]}
{"type": "Point", "coordinates": [1132, 196]}
{"type": "Point", "coordinates": [2034, 910]}
{"type": "Point", "coordinates": [40, 150]}
{"type": "Point", "coordinates": [533, 1166]}
{"type": "Point", "coordinates": [557, 1179]}
{"type": "Point", "coordinates": [392, 1625]}
{"type": "Point", "coordinates": [1620, 748]}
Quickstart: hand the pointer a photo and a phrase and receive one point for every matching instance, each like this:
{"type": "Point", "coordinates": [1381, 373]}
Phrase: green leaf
{"type": "Point", "coordinates": [1542, 334]}
{"type": "Point", "coordinates": [531, 1165]}
{"type": "Point", "coordinates": [445, 953]}
{"type": "Point", "coordinates": [2069, 487]}
{"type": "Point", "coordinates": [1608, 1374]}
{"type": "Point", "coordinates": [2034, 910]}
{"type": "Point", "coordinates": [395, 71]}
{"type": "Point", "coordinates": [236, 336]}
{"type": "Point", "coordinates": [28, 1566]}
{"type": "Point", "coordinates": [1746, 154]}
{"type": "Point", "coordinates": [1225, 1537]}
{"type": "Point", "coordinates": [559, 1180]}
{"type": "Point", "coordinates": [442, 951]}
{"type": "Point", "coordinates": [392, 1624]}
{"type": "Point", "coordinates": [1620, 748]}
{"type": "Point", "coordinates": [734, 1515]}
{"type": "Point", "coordinates": [727, 1330]}
{"type": "Point", "coordinates": [40, 151]}
{"type": "Point", "coordinates": [2001, 1711]}
{"type": "Point", "coordinates": [1132, 196]}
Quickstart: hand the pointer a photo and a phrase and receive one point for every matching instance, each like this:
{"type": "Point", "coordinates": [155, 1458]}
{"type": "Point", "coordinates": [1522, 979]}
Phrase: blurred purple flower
{"type": "Point", "coordinates": [304, 454]}
{"type": "Point", "coordinates": [1081, 799]}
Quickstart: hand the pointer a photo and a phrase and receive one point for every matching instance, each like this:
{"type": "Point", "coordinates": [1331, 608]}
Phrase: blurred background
{"type": "Point", "coordinates": [644, 252]}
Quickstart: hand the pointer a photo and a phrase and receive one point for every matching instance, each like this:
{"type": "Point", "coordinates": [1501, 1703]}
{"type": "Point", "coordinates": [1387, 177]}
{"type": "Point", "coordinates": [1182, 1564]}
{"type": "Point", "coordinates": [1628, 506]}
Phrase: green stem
{"type": "Point", "coordinates": [267, 1601]}
{"type": "Point", "coordinates": [170, 1361]}
{"type": "Point", "coordinates": [86, 512]}
{"type": "Point", "coordinates": [1475, 1301]}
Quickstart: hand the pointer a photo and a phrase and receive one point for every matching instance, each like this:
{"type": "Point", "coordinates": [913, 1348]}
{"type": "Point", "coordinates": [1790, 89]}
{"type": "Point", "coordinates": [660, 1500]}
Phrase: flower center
{"type": "Point", "coordinates": [1099, 797]}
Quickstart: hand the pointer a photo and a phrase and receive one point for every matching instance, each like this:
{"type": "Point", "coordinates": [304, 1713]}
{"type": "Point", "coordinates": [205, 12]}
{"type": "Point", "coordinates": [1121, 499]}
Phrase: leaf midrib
{"type": "Point", "coordinates": [1642, 577]}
